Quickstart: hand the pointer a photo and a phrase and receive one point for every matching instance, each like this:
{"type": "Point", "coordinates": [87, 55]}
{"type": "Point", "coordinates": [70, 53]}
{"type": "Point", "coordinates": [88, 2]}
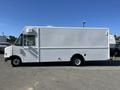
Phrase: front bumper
{"type": "Point", "coordinates": [7, 58]}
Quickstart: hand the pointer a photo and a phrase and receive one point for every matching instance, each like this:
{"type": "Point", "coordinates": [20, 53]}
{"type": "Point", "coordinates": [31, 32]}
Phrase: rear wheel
{"type": "Point", "coordinates": [16, 62]}
{"type": "Point", "coordinates": [77, 61]}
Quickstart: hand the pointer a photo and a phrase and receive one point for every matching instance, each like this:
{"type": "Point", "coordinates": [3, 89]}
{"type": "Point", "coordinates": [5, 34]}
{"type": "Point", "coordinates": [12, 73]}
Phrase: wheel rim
{"type": "Point", "coordinates": [77, 62]}
{"type": "Point", "coordinates": [16, 61]}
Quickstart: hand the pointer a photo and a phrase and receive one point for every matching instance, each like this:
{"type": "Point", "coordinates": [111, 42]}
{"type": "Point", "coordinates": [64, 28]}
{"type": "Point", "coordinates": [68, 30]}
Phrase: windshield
{"type": "Point", "coordinates": [19, 41]}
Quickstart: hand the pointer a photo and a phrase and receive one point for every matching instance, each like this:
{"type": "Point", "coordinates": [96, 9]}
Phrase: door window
{"type": "Point", "coordinates": [29, 40]}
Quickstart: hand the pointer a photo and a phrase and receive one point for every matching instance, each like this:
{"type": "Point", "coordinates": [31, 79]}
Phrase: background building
{"type": "Point", "coordinates": [3, 43]}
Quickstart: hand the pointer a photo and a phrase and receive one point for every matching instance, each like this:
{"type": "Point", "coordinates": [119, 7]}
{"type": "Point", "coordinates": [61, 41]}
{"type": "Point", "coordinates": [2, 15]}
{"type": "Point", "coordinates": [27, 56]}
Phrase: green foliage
{"type": "Point", "coordinates": [117, 38]}
{"type": "Point", "coordinates": [11, 39]}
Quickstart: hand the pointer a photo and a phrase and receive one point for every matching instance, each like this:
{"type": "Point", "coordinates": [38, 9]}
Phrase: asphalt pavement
{"type": "Point", "coordinates": [60, 76]}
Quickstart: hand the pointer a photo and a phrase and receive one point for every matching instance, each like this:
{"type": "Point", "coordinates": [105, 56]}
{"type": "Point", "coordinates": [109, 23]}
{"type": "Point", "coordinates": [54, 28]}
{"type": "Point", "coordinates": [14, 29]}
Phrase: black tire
{"type": "Point", "coordinates": [16, 62]}
{"type": "Point", "coordinates": [77, 61]}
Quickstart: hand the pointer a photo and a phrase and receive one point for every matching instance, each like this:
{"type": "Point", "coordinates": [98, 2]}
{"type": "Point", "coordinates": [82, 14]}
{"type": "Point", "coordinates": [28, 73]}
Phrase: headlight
{"type": "Point", "coordinates": [5, 54]}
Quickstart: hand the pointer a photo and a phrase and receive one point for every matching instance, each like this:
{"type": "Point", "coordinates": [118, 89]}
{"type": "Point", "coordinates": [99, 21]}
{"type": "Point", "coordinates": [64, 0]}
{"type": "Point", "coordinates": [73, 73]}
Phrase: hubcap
{"type": "Point", "coordinates": [77, 62]}
{"type": "Point", "coordinates": [16, 62]}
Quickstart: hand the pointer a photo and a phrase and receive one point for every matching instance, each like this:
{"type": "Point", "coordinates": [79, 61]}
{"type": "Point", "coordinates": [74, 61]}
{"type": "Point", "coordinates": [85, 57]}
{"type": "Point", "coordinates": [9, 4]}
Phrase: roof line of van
{"type": "Point", "coordinates": [65, 27]}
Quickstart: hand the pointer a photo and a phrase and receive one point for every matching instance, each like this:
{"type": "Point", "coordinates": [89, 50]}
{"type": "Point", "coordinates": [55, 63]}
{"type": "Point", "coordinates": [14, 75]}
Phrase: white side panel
{"type": "Point", "coordinates": [51, 37]}
{"type": "Point", "coordinates": [60, 44]}
{"type": "Point", "coordinates": [49, 55]}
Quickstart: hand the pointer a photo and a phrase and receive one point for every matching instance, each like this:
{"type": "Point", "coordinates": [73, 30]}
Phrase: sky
{"type": "Point", "coordinates": [15, 14]}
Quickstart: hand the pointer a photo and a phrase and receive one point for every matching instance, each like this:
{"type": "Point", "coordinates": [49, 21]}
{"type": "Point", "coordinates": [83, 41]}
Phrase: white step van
{"type": "Point", "coordinates": [59, 44]}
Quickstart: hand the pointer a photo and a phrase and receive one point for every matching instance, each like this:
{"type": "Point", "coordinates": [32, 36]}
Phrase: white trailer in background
{"type": "Point", "coordinates": [58, 44]}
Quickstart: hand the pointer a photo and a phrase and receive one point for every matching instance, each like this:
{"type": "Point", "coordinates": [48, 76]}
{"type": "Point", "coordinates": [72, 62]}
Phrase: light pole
{"type": "Point", "coordinates": [83, 23]}
{"type": "Point", "coordinates": [2, 33]}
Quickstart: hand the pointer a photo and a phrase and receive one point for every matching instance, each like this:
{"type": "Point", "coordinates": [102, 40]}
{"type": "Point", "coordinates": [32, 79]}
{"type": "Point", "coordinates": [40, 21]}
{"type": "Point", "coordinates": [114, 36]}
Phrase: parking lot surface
{"type": "Point", "coordinates": [60, 76]}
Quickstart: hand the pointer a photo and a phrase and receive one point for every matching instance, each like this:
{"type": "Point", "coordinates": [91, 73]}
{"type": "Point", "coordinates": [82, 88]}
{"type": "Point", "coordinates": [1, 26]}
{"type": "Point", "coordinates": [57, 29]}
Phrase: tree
{"type": "Point", "coordinates": [12, 39]}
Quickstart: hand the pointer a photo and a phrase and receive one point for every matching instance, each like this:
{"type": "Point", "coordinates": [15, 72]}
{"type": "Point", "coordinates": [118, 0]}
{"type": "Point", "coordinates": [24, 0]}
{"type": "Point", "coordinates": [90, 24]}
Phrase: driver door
{"type": "Point", "coordinates": [30, 48]}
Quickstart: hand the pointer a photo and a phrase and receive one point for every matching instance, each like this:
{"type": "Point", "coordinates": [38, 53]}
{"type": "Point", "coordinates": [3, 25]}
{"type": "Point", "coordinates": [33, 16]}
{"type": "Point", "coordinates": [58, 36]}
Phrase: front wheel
{"type": "Point", "coordinates": [16, 62]}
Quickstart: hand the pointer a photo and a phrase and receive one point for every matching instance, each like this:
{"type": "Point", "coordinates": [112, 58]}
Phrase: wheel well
{"type": "Point", "coordinates": [77, 56]}
{"type": "Point", "coordinates": [15, 56]}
